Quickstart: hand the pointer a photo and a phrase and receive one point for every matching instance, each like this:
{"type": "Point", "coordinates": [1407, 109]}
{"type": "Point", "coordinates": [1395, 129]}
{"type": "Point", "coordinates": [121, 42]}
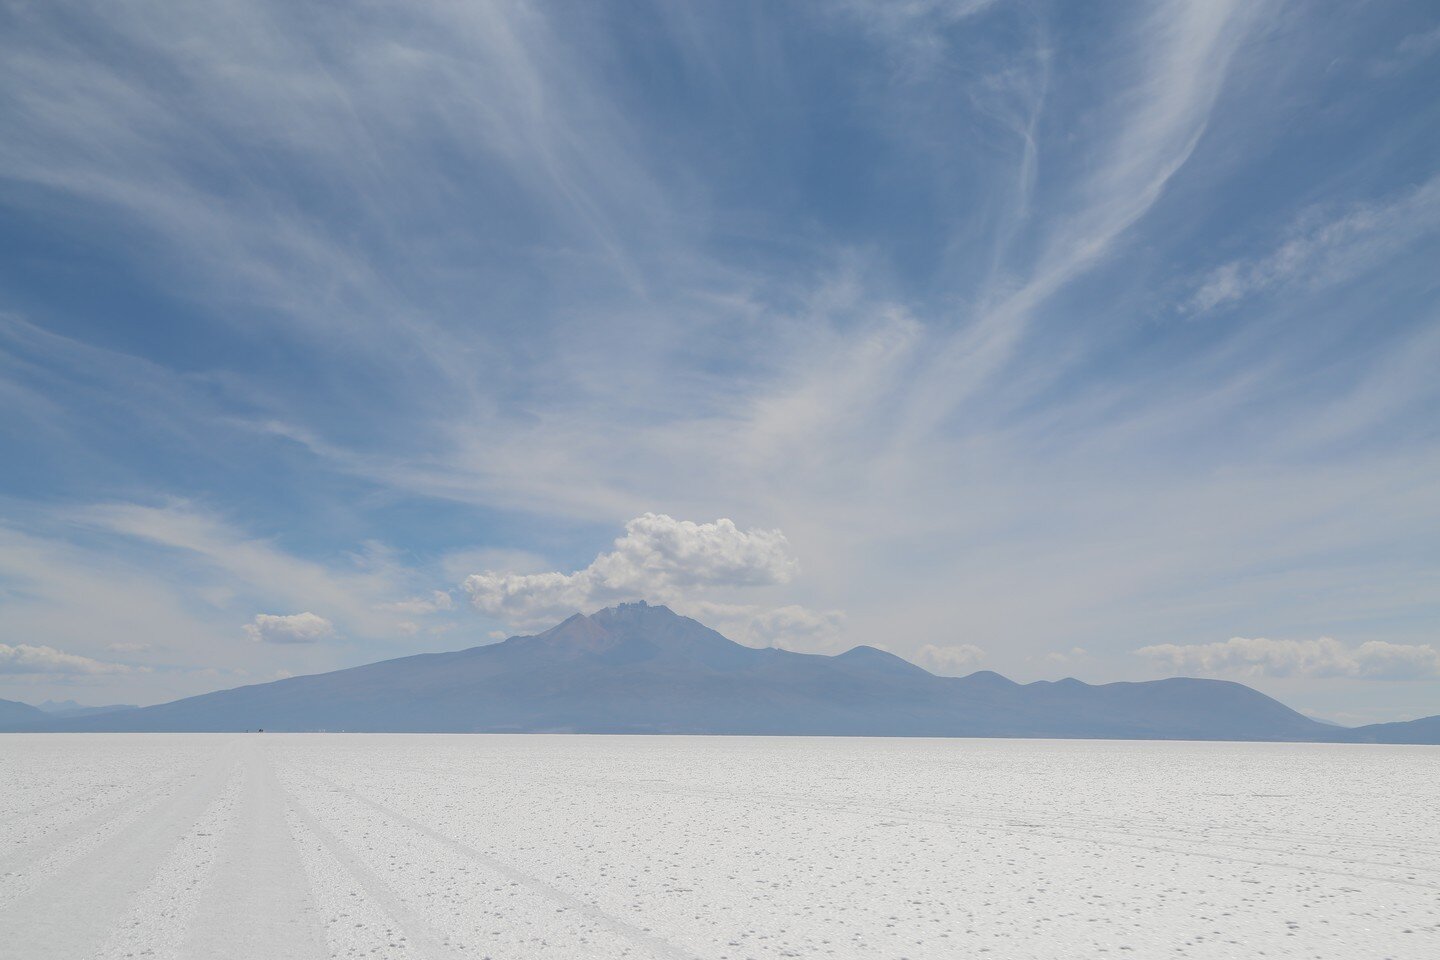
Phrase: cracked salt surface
{"type": "Point", "coordinates": [281, 846]}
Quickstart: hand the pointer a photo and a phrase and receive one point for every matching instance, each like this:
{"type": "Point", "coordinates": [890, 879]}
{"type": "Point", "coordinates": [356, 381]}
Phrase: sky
{"type": "Point", "coordinates": [1054, 339]}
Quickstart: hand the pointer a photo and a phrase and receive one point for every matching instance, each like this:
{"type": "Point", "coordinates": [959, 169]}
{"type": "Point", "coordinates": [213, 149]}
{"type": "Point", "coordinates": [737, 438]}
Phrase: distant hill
{"type": "Point", "coordinates": [16, 714]}
{"type": "Point", "coordinates": [1424, 730]}
{"type": "Point", "coordinates": [637, 668]}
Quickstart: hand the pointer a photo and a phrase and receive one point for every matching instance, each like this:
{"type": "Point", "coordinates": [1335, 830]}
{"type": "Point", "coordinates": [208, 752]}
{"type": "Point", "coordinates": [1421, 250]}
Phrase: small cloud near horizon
{"type": "Point", "coordinates": [293, 628]}
{"type": "Point", "coordinates": [954, 660]}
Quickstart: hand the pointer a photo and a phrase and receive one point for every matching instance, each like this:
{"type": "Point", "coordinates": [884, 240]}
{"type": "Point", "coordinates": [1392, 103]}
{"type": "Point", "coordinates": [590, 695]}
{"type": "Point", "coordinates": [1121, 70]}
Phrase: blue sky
{"type": "Point", "coordinates": [1058, 340]}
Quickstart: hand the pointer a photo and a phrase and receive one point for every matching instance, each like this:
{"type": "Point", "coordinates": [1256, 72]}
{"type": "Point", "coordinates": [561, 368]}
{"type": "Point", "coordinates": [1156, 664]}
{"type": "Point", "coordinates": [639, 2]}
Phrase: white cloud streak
{"type": "Point", "coordinates": [438, 601]}
{"type": "Point", "coordinates": [1326, 253]}
{"type": "Point", "coordinates": [1321, 658]}
{"type": "Point", "coordinates": [25, 658]}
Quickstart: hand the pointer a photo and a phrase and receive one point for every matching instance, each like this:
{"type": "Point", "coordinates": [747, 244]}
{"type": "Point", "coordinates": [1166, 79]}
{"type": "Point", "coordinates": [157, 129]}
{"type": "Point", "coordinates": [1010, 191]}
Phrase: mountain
{"type": "Point", "coordinates": [638, 668]}
{"type": "Point", "coordinates": [16, 714]}
{"type": "Point", "coordinates": [69, 708]}
{"type": "Point", "coordinates": [1424, 730]}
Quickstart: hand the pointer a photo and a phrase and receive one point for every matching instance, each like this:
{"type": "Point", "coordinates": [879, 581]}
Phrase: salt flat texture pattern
{"type": "Point", "coordinates": [301, 846]}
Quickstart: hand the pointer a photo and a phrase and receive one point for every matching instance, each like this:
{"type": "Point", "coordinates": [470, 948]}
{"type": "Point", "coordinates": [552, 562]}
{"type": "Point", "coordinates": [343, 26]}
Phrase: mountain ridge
{"type": "Point", "coordinates": [13, 713]}
{"type": "Point", "coordinates": [637, 668]}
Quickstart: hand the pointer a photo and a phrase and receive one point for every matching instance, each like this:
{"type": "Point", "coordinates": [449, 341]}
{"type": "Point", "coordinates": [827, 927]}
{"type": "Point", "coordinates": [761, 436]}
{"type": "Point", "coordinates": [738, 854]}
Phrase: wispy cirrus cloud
{"type": "Point", "coordinates": [1171, 86]}
{"type": "Point", "coordinates": [437, 600]}
{"type": "Point", "coordinates": [356, 589]}
{"type": "Point", "coordinates": [1326, 251]}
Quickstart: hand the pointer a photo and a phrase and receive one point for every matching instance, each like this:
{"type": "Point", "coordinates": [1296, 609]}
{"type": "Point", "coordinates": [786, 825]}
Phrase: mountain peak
{"type": "Point", "coordinates": [874, 659]}
{"type": "Point", "coordinates": [639, 616]}
{"type": "Point", "coordinates": [633, 632]}
{"type": "Point", "coordinates": [634, 610]}
{"type": "Point", "coordinates": [989, 679]}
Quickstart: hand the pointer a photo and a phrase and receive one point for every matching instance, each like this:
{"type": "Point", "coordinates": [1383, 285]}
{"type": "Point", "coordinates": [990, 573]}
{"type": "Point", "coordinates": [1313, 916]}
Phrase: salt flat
{"type": "Point", "coordinates": [277, 846]}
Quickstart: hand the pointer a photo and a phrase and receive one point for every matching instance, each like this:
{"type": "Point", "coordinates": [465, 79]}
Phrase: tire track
{"type": "Point", "coordinates": [164, 910]}
{"type": "Point", "coordinates": [1069, 828]}
{"type": "Point", "coordinates": [57, 834]}
{"type": "Point", "coordinates": [616, 925]}
{"type": "Point", "coordinates": [418, 931]}
{"type": "Point", "coordinates": [259, 875]}
{"type": "Point", "coordinates": [29, 862]}
{"type": "Point", "coordinates": [101, 880]}
{"type": "Point", "coordinates": [1107, 842]}
{"type": "Point", "coordinates": [1011, 812]}
{"type": "Point", "coordinates": [81, 800]}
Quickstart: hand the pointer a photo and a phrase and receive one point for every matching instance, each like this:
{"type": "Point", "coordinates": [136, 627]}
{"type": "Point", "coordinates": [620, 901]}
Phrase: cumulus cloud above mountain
{"type": "Point", "coordinates": [953, 660]}
{"type": "Point", "coordinates": [1324, 657]}
{"type": "Point", "coordinates": [672, 561]}
{"type": "Point", "coordinates": [790, 627]}
{"type": "Point", "coordinates": [293, 628]}
{"type": "Point", "coordinates": [794, 625]}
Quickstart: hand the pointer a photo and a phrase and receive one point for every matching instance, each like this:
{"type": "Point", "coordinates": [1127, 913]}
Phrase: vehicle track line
{"type": "Point", "coordinates": [122, 808]}
{"type": "Point", "coordinates": [1063, 828]}
{"type": "Point", "coordinates": [1080, 821]}
{"type": "Point", "coordinates": [614, 924]}
{"type": "Point", "coordinates": [418, 931]}
{"type": "Point", "coordinates": [30, 862]}
{"type": "Point", "coordinates": [81, 799]}
{"type": "Point", "coordinates": [99, 885]}
{"type": "Point", "coordinates": [258, 903]}
{"type": "Point", "coordinates": [160, 914]}
{"type": "Point", "coordinates": [1107, 842]}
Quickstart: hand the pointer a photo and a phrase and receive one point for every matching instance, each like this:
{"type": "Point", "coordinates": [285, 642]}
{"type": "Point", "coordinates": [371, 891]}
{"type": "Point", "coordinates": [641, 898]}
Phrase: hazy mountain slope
{"type": "Point", "coordinates": [1179, 707]}
{"type": "Point", "coordinates": [642, 669]}
{"type": "Point", "coordinates": [16, 714]}
{"type": "Point", "coordinates": [632, 669]}
{"type": "Point", "coordinates": [1424, 730]}
{"type": "Point", "coordinates": [69, 708]}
